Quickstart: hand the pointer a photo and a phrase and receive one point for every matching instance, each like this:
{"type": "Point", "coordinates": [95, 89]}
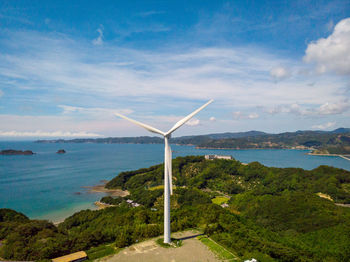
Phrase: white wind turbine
{"type": "Point", "coordinates": [168, 187]}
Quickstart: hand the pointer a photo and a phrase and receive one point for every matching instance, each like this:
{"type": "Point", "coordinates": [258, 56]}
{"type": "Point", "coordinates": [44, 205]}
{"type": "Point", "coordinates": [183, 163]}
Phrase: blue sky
{"type": "Point", "coordinates": [274, 66]}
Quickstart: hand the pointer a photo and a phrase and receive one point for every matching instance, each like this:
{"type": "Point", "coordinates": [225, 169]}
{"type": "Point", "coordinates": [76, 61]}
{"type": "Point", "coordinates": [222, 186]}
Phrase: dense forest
{"type": "Point", "coordinates": [321, 142]}
{"type": "Point", "coordinates": [273, 214]}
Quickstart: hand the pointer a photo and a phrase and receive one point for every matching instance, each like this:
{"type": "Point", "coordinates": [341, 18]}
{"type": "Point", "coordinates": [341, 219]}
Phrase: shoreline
{"type": "Point", "coordinates": [260, 148]}
{"type": "Point", "coordinates": [96, 205]}
{"type": "Point", "coordinates": [344, 156]}
{"type": "Point", "coordinates": [111, 192]}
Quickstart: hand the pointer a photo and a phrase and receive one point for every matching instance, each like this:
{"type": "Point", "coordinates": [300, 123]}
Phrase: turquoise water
{"type": "Point", "coordinates": [45, 185]}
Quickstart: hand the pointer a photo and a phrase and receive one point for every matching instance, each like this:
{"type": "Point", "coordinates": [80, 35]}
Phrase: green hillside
{"type": "Point", "coordinates": [273, 214]}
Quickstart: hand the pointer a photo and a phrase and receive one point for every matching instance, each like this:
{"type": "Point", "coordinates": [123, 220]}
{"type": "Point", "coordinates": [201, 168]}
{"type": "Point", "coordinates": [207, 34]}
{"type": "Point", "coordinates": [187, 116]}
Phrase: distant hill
{"type": "Point", "coordinates": [341, 130]}
{"type": "Point", "coordinates": [322, 142]}
{"type": "Point", "coordinates": [109, 140]}
{"type": "Point", "coordinates": [237, 135]}
{"type": "Point", "coordinates": [155, 139]}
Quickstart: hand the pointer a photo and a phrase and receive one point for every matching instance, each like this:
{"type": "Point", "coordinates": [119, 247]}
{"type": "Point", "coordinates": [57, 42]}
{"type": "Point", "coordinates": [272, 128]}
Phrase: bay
{"type": "Point", "coordinates": [52, 186]}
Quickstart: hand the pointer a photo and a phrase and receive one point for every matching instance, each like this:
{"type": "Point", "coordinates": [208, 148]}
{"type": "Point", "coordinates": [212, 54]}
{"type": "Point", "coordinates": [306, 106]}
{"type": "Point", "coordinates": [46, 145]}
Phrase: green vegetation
{"type": "Point", "coordinates": [220, 200]}
{"type": "Point", "coordinates": [101, 251]}
{"type": "Point", "coordinates": [112, 200]}
{"type": "Point", "coordinates": [221, 252]}
{"type": "Point", "coordinates": [274, 214]}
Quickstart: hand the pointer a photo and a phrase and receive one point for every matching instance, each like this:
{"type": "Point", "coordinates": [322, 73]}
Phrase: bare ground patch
{"type": "Point", "coordinates": [192, 250]}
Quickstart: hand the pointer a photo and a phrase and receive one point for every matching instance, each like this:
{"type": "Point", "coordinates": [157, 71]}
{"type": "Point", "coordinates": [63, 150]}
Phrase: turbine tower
{"type": "Point", "coordinates": [168, 187]}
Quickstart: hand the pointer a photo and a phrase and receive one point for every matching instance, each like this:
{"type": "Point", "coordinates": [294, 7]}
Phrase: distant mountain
{"type": "Point", "coordinates": [325, 142]}
{"type": "Point", "coordinates": [321, 142]}
{"type": "Point", "coordinates": [341, 130]}
{"type": "Point", "coordinates": [155, 140]}
{"type": "Point", "coordinates": [109, 140]}
{"type": "Point", "coordinates": [236, 135]}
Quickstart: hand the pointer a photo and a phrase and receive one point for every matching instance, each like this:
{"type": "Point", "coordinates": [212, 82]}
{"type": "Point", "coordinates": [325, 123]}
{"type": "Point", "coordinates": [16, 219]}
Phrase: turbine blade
{"type": "Point", "coordinates": [185, 119]}
{"type": "Point", "coordinates": [148, 127]}
{"type": "Point", "coordinates": [170, 171]}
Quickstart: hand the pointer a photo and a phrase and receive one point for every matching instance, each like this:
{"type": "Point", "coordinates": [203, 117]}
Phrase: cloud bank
{"type": "Point", "coordinates": [324, 126]}
{"type": "Point", "coordinates": [332, 53]}
{"type": "Point", "coordinates": [79, 86]}
{"type": "Point", "coordinates": [47, 134]}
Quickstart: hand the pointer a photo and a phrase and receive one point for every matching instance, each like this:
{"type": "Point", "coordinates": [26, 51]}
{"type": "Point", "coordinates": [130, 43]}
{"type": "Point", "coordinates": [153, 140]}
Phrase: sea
{"type": "Point", "coordinates": [53, 186]}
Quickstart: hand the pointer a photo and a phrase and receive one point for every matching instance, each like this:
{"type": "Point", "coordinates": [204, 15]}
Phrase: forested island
{"type": "Point", "coordinates": [271, 214]}
{"type": "Point", "coordinates": [319, 142]}
{"type": "Point", "coordinates": [12, 152]}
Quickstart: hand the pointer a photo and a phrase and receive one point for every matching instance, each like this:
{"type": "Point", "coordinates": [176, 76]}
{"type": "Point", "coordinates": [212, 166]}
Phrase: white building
{"type": "Point", "coordinates": [212, 157]}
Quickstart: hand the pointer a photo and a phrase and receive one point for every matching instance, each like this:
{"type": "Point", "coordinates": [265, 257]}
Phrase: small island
{"type": "Point", "coordinates": [61, 151]}
{"type": "Point", "coordinates": [12, 152]}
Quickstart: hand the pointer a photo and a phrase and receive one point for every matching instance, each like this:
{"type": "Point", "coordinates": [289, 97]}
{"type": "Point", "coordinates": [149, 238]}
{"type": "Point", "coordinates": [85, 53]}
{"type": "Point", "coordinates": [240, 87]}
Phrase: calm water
{"type": "Point", "coordinates": [46, 185]}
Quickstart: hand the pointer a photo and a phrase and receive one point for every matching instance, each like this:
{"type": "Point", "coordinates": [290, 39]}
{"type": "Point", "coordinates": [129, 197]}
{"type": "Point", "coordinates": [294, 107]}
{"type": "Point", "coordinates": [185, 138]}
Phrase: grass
{"type": "Point", "coordinates": [174, 243]}
{"type": "Point", "coordinates": [101, 251]}
{"type": "Point", "coordinates": [220, 200]}
{"type": "Point", "coordinates": [156, 187]}
{"type": "Point", "coordinates": [159, 187]}
{"type": "Point", "coordinates": [220, 251]}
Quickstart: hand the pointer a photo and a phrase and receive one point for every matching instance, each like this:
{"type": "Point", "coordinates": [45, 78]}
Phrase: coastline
{"type": "Point", "coordinates": [231, 148]}
{"type": "Point", "coordinates": [59, 216]}
{"type": "Point", "coordinates": [260, 148]}
{"type": "Point", "coordinates": [346, 157]}
{"type": "Point", "coordinates": [111, 192]}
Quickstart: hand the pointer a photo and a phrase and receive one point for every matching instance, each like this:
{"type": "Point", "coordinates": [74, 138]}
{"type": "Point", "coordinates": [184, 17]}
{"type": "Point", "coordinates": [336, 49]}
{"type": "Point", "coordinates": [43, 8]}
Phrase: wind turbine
{"type": "Point", "coordinates": [168, 187]}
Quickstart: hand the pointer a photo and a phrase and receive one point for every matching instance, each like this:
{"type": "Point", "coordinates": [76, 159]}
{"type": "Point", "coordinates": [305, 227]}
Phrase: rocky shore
{"type": "Point", "coordinates": [112, 192]}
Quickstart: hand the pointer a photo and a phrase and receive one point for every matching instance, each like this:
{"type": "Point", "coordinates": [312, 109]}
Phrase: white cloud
{"type": "Point", "coordinates": [332, 53]}
{"type": "Point", "coordinates": [46, 134]}
{"type": "Point", "coordinates": [193, 122]}
{"type": "Point", "coordinates": [93, 111]}
{"type": "Point", "coordinates": [150, 13]}
{"type": "Point", "coordinates": [324, 126]}
{"type": "Point", "coordinates": [322, 110]}
{"type": "Point", "coordinates": [232, 76]}
{"type": "Point", "coordinates": [89, 83]}
{"type": "Point", "coordinates": [99, 39]}
{"type": "Point", "coordinates": [253, 116]}
{"type": "Point", "coordinates": [331, 109]}
{"type": "Point", "coordinates": [279, 73]}
{"type": "Point", "coordinates": [212, 118]}
{"type": "Point", "coordinates": [240, 115]}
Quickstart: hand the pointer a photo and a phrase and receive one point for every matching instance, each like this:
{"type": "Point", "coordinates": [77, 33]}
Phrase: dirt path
{"type": "Point", "coordinates": [192, 250]}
